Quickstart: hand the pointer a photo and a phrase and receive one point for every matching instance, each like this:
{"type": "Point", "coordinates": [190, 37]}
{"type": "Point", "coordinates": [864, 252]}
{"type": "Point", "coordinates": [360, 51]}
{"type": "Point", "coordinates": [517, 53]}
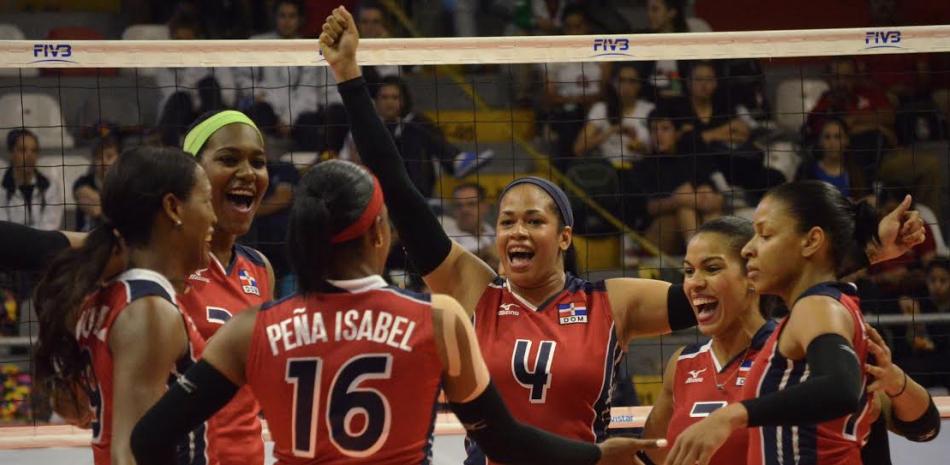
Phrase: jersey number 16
{"type": "Point", "coordinates": [346, 401]}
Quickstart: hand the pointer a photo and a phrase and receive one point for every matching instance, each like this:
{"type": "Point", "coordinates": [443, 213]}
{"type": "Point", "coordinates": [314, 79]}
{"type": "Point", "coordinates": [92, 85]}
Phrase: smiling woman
{"type": "Point", "coordinates": [230, 148]}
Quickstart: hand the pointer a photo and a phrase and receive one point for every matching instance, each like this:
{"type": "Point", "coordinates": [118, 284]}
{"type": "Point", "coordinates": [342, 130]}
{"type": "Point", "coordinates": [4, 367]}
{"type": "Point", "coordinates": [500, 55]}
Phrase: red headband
{"type": "Point", "coordinates": [362, 224]}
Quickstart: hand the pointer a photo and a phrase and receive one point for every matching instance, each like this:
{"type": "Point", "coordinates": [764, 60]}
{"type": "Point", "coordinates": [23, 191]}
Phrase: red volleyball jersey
{"type": "Point", "coordinates": [349, 376]}
{"type": "Point", "coordinates": [835, 442]}
{"type": "Point", "coordinates": [216, 294]}
{"type": "Point", "coordinates": [553, 365]}
{"type": "Point", "coordinates": [697, 392]}
{"type": "Point", "coordinates": [97, 316]}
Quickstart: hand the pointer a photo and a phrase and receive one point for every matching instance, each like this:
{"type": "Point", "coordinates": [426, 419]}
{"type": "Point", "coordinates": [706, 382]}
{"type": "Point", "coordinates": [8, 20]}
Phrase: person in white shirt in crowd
{"type": "Point", "coordinates": [569, 89]}
{"type": "Point", "coordinates": [616, 127]}
{"type": "Point", "coordinates": [300, 103]}
{"type": "Point", "coordinates": [29, 197]}
{"type": "Point", "coordinates": [469, 224]}
{"type": "Point", "coordinates": [187, 93]}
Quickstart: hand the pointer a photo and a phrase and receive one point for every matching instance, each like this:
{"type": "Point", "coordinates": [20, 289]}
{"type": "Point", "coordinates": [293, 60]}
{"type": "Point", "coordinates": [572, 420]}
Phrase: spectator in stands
{"type": "Point", "coordinates": [189, 92]}
{"type": "Point", "coordinates": [865, 110]}
{"type": "Point", "coordinates": [297, 102]}
{"type": "Point", "coordinates": [548, 16]}
{"type": "Point", "coordinates": [834, 164]}
{"type": "Point", "coordinates": [371, 22]}
{"type": "Point", "coordinates": [707, 124]}
{"type": "Point", "coordinates": [907, 78]}
{"type": "Point", "coordinates": [86, 189]}
{"type": "Point", "coordinates": [925, 347]}
{"type": "Point", "coordinates": [666, 76]}
{"type": "Point", "coordinates": [419, 141]}
{"type": "Point", "coordinates": [670, 193]}
{"type": "Point", "coordinates": [468, 224]}
{"type": "Point", "coordinates": [616, 128]}
{"type": "Point", "coordinates": [29, 197]}
{"type": "Point", "coordinates": [271, 222]}
{"type": "Point", "coordinates": [569, 89]}
{"type": "Point", "coordinates": [713, 128]}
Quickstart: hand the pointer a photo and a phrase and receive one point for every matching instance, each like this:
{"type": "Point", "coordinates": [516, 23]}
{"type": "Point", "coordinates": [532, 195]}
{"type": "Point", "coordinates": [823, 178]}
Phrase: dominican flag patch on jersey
{"type": "Point", "coordinates": [746, 365]}
{"type": "Point", "coordinates": [570, 313]}
{"type": "Point", "coordinates": [249, 283]}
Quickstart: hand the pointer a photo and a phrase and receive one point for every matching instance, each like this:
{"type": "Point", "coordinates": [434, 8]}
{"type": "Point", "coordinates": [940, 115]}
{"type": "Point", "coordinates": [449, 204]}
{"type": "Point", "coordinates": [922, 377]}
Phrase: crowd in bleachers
{"type": "Point", "coordinates": [662, 145]}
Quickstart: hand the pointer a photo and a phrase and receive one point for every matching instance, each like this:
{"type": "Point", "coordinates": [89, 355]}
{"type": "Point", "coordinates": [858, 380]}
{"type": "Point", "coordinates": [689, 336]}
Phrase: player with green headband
{"type": "Point", "coordinates": [230, 148]}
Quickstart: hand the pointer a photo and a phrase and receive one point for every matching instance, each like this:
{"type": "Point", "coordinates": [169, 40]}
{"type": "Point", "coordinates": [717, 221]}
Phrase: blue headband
{"type": "Point", "coordinates": [558, 195]}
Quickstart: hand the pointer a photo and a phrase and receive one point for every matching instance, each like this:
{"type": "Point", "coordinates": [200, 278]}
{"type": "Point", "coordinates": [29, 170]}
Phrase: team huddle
{"type": "Point", "coordinates": [159, 331]}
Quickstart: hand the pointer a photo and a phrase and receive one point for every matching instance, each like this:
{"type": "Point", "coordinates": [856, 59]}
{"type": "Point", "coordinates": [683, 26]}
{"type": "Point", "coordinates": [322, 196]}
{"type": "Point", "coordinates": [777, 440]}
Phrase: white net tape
{"type": "Point", "coordinates": [478, 50]}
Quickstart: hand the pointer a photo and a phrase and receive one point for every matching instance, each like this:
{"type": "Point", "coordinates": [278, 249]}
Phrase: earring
{"type": "Point", "coordinates": [178, 224]}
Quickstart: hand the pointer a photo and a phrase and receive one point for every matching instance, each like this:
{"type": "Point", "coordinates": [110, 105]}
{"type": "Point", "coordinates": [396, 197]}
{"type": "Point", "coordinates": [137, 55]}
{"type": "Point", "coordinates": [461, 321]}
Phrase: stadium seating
{"type": "Point", "coordinates": [13, 32]}
{"type": "Point", "coordinates": [38, 112]}
{"type": "Point", "coordinates": [794, 98]}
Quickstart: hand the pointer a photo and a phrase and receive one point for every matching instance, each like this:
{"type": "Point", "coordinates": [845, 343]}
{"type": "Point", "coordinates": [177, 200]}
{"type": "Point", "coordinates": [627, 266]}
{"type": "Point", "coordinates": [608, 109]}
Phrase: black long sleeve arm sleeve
{"type": "Point", "coordinates": [505, 440]}
{"type": "Point", "coordinates": [197, 395]}
{"type": "Point", "coordinates": [26, 249]}
{"type": "Point", "coordinates": [832, 390]}
{"type": "Point", "coordinates": [419, 229]}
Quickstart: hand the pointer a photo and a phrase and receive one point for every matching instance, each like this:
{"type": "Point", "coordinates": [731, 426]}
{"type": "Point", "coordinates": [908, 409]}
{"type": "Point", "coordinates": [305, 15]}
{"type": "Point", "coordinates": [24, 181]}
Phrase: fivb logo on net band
{"type": "Point", "coordinates": [882, 39]}
{"type": "Point", "coordinates": [52, 53]}
{"type": "Point", "coordinates": [608, 46]}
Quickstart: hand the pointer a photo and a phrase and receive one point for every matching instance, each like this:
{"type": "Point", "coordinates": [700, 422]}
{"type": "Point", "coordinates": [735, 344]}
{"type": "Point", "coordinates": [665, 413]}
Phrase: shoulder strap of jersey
{"type": "Point", "coordinates": [145, 283]}
{"type": "Point", "coordinates": [253, 255]}
{"type": "Point", "coordinates": [833, 289]}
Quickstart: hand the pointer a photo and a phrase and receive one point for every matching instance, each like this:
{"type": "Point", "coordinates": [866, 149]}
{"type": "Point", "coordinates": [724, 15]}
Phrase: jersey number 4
{"type": "Point", "coordinates": [346, 403]}
{"type": "Point", "coordinates": [538, 378]}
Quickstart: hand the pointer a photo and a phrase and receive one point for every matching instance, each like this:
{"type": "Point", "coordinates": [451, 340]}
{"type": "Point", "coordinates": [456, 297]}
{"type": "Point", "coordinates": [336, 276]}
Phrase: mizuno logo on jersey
{"type": "Point", "coordinates": [569, 313]}
{"type": "Point", "coordinates": [505, 310]}
{"type": "Point", "coordinates": [694, 376]}
{"type": "Point", "coordinates": [249, 283]}
{"type": "Point", "coordinates": [197, 276]}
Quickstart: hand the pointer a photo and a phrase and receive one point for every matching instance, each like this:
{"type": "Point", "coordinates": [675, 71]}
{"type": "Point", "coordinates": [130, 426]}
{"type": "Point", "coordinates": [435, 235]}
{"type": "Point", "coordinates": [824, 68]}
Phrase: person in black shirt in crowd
{"type": "Point", "coordinates": [670, 192]}
{"type": "Point", "coordinates": [86, 189]}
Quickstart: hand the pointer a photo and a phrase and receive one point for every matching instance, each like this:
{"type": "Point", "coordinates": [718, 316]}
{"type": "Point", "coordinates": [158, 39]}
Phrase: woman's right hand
{"type": "Point", "coordinates": [338, 43]}
{"type": "Point", "coordinates": [622, 451]}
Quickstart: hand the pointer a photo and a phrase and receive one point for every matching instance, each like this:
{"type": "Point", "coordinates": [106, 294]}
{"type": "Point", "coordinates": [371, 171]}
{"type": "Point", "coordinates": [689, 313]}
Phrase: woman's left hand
{"type": "Point", "coordinates": [698, 443]}
{"type": "Point", "coordinates": [899, 232]}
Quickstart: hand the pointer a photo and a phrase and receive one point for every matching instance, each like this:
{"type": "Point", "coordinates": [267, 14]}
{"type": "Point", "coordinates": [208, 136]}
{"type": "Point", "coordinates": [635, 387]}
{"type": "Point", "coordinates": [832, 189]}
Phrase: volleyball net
{"type": "Point", "coordinates": [649, 134]}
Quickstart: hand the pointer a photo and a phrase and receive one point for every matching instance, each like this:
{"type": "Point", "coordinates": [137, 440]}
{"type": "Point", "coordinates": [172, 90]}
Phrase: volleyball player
{"type": "Point", "coordinates": [230, 148]}
{"type": "Point", "coordinates": [551, 340]}
{"type": "Point", "coordinates": [805, 395]}
{"type": "Point", "coordinates": [701, 378]}
{"type": "Point", "coordinates": [115, 350]}
{"type": "Point", "coordinates": [349, 369]}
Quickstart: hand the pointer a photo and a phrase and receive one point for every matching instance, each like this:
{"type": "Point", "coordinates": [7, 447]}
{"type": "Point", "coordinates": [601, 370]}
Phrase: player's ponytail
{"type": "Point", "coordinates": [132, 197]}
{"type": "Point", "coordinates": [334, 205]}
{"type": "Point", "coordinates": [71, 276]}
{"type": "Point", "coordinates": [309, 239]}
